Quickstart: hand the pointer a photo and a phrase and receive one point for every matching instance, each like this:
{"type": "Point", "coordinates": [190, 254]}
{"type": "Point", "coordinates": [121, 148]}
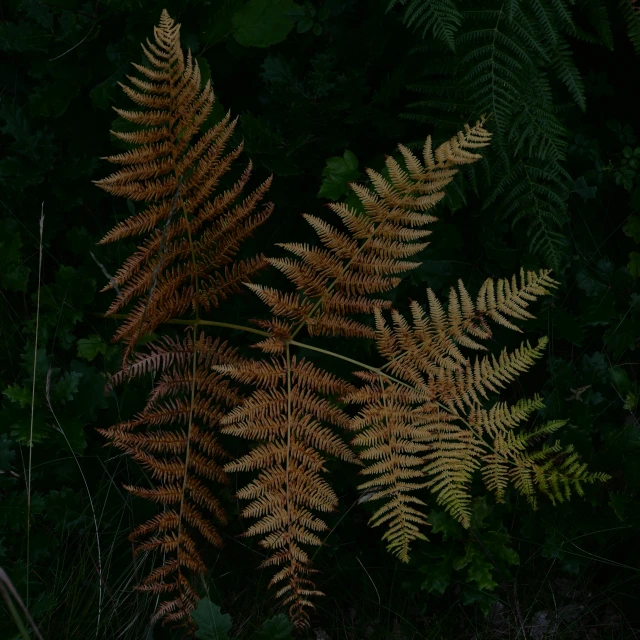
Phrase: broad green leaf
{"type": "Point", "coordinates": [620, 503]}
{"type": "Point", "coordinates": [18, 394]}
{"type": "Point", "coordinates": [590, 285]}
{"type": "Point", "coordinates": [479, 511]}
{"type": "Point", "coordinates": [634, 264]}
{"type": "Point", "coordinates": [276, 628]}
{"type": "Point", "coordinates": [437, 575]}
{"type": "Point", "coordinates": [66, 387]}
{"type": "Point", "coordinates": [276, 68]}
{"type": "Point", "coordinates": [480, 571]}
{"type": "Point", "coordinates": [595, 366]}
{"type": "Point", "coordinates": [89, 348]}
{"type": "Point", "coordinates": [338, 172]}
{"type": "Point", "coordinates": [304, 25]}
{"type": "Point", "coordinates": [442, 522]}
{"type": "Point", "coordinates": [620, 380]}
{"type": "Point", "coordinates": [621, 336]}
{"type": "Point", "coordinates": [261, 23]}
{"type": "Point", "coordinates": [583, 189]}
{"type": "Point", "coordinates": [473, 596]}
{"type": "Point", "coordinates": [212, 624]}
{"type": "Point", "coordinates": [631, 228]}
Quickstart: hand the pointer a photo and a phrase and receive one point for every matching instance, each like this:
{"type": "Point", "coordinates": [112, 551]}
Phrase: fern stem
{"type": "Point", "coordinates": [226, 325]}
{"type": "Point", "coordinates": [302, 345]}
{"type": "Point", "coordinates": [288, 432]}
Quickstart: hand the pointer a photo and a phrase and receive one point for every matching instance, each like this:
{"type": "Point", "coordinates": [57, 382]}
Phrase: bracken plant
{"type": "Point", "coordinates": [422, 422]}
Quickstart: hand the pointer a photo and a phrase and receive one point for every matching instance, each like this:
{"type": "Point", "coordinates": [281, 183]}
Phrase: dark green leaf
{"type": "Point", "coordinates": [276, 628]}
{"type": "Point", "coordinates": [261, 23]}
{"type": "Point", "coordinates": [212, 624]}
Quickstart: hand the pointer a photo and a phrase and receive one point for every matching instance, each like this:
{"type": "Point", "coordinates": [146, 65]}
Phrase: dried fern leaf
{"type": "Point", "coordinates": [333, 283]}
{"type": "Point", "coordinates": [290, 417]}
{"type": "Point", "coordinates": [337, 280]}
{"type": "Point", "coordinates": [428, 425]}
{"type": "Point", "coordinates": [190, 232]}
{"type": "Point", "coordinates": [174, 438]}
{"type": "Point", "coordinates": [187, 259]}
{"type": "Point", "coordinates": [392, 437]}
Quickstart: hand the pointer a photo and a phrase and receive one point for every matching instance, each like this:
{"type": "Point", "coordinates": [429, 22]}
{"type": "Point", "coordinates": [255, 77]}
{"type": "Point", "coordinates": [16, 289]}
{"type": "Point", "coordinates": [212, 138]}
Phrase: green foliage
{"type": "Point", "coordinates": [477, 558]}
{"type": "Point", "coordinates": [508, 59]}
{"type": "Point", "coordinates": [337, 175]}
{"type": "Point", "coordinates": [214, 625]}
{"type": "Point", "coordinates": [310, 83]}
{"type": "Point", "coordinates": [261, 23]}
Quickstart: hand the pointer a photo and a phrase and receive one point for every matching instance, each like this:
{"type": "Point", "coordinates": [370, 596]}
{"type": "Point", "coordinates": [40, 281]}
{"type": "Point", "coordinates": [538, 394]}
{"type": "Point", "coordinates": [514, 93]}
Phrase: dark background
{"type": "Point", "coordinates": [559, 188]}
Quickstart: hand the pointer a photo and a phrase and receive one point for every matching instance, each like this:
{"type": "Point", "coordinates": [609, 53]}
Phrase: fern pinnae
{"type": "Point", "coordinates": [288, 414]}
{"type": "Point", "coordinates": [185, 264]}
{"type": "Point", "coordinates": [504, 58]}
{"type": "Point", "coordinates": [424, 422]}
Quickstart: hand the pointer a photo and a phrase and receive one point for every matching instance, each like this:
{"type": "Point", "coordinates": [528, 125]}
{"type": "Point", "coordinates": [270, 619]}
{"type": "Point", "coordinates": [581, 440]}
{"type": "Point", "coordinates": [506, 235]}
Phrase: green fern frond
{"type": "Point", "coordinates": [567, 71]}
{"type": "Point", "coordinates": [557, 480]}
{"type": "Point", "coordinates": [506, 59]}
{"type": "Point", "coordinates": [598, 17]}
{"type": "Point", "coordinates": [631, 14]}
{"type": "Point", "coordinates": [442, 17]}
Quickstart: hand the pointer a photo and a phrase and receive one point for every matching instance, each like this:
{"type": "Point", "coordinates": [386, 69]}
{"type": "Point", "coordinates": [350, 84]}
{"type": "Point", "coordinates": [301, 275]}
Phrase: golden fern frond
{"type": "Point", "coordinates": [393, 435]}
{"type": "Point", "coordinates": [289, 415]}
{"type": "Point", "coordinates": [186, 263]}
{"type": "Point", "coordinates": [553, 470]}
{"type": "Point", "coordinates": [337, 280]}
{"type": "Point", "coordinates": [174, 438]}
{"type": "Point", "coordinates": [333, 283]}
{"type": "Point", "coordinates": [424, 414]}
{"type": "Point", "coordinates": [495, 300]}
{"type": "Point", "coordinates": [187, 259]}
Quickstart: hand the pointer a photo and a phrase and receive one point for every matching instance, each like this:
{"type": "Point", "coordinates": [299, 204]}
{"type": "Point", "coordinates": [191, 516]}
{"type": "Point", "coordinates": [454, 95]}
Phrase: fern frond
{"type": "Point", "coordinates": [631, 14]}
{"type": "Point", "coordinates": [393, 435]}
{"type": "Point", "coordinates": [428, 425]}
{"type": "Point", "coordinates": [505, 57]}
{"type": "Point", "coordinates": [291, 419]}
{"type": "Point", "coordinates": [174, 438]}
{"type": "Point", "coordinates": [186, 263]}
{"type": "Point", "coordinates": [337, 279]}
{"type": "Point", "coordinates": [187, 258]}
{"type": "Point", "coordinates": [442, 17]}
{"type": "Point", "coordinates": [333, 283]}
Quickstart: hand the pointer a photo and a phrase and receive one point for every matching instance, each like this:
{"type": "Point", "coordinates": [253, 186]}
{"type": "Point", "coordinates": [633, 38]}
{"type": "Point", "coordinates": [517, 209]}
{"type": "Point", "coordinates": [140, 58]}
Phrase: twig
{"type": "Point", "coordinates": [111, 279]}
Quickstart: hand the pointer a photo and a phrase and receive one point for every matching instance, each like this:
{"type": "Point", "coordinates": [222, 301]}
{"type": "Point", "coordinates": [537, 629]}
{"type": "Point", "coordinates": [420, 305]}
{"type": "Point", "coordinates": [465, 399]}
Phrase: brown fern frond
{"type": "Point", "coordinates": [187, 259]}
{"type": "Point", "coordinates": [290, 417]}
{"type": "Point", "coordinates": [287, 412]}
{"type": "Point", "coordinates": [337, 280]}
{"type": "Point", "coordinates": [393, 432]}
{"type": "Point", "coordinates": [175, 439]}
{"type": "Point", "coordinates": [423, 421]}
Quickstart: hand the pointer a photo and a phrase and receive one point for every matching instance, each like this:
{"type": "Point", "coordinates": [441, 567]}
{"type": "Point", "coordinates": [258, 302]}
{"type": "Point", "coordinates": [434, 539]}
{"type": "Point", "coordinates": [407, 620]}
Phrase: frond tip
{"type": "Point", "coordinates": [337, 281]}
{"type": "Point", "coordinates": [187, 259]}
